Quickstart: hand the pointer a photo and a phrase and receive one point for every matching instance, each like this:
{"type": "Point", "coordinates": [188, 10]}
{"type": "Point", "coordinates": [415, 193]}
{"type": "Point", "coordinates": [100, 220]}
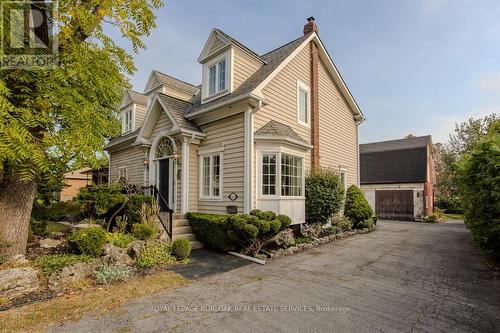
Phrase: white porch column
{"type": "Point", "coordinates": [185, 176]}
{"type": "Point", "coordinates": [248, 160]}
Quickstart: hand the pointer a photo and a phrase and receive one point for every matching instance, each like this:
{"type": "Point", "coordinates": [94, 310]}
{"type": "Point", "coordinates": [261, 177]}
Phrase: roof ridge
{"type": "Point", "coordinates": [173, 77]}
{"type": "Point", "coordinates": [160, 93]}
{"type": "Point", "coordinates": [240, 43]}
{"type": "Point", "coordinates": [393, 140]}
{"type": "Point", "coordinates": [284, 45]}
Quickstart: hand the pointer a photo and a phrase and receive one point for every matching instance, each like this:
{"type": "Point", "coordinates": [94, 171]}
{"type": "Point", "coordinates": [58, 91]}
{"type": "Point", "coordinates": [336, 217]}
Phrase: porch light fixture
{"type": "Point", "coordinates": [146, 162]}
{"type": "Point", "coordinates": [176, 156]}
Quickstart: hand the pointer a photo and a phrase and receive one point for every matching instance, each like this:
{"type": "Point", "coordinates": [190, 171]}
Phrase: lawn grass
{"type": "Point", "coordinates": [453, 216]}
{"type": "Point", "coordinates": [56, 227]}
{"type": "Point", "coordinates": [39, 316]}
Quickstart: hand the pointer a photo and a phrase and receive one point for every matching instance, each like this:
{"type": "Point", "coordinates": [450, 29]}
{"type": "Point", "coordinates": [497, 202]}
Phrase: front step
{"type": "Point", "coordinates": [182, 230]}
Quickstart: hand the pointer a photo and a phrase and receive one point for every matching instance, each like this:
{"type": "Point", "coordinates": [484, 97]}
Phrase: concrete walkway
{"type": "Point", "coordinates": [404, 277]}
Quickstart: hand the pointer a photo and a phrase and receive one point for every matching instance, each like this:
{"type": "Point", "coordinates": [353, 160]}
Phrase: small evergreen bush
{"type": "Point", "coordinates": [142, 231]}
{"type": "Point", "coordinates": [156, 253]}
{"type": "Point", "coordinates": [106, 274]}
{"type": "Point", "coordinates": [357, 208]}
{"type": "Point", "coordinates": [324, 195]}
{"type": "Point", "coordinates": [53, 263]}
{"type": "Point", "coordinates": [368, 224]}
{"type": "Point", "coordinates": [88, 241]}
{"type": "Point", "coordinates": [181, 249]}
{"type": "Point", "coordinates": [285, 238]}
{"type": "Point", "coordinates": [344, 223]}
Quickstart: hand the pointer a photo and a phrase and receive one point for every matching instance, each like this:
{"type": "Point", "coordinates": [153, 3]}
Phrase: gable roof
{"type": "Point", "coordinates": [158, 78]}
{"type": "Point", "coordinates": [131, 96]}
{"type": "Point", "coordinates": [394, 161]}
{"type": "Point", "coordinates": [272, 60]}
{"type": "Point", "coordinates": [277, 129]}
{"type": "Point", "coordinates": [178, 107]}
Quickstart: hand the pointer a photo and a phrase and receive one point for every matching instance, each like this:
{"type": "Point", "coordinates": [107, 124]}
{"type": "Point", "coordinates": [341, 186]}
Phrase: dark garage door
{"type": "Point", "coordinates": [394, 204]}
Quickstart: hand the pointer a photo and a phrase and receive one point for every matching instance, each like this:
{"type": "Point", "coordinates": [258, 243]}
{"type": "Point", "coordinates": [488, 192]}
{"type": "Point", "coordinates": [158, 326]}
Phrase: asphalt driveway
{"type": "Point", "coordinates": [403, 277]}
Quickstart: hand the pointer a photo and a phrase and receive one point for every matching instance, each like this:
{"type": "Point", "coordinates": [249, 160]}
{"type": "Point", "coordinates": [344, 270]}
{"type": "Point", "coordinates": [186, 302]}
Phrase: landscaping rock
{"type": "Point", "coordinates": [70, 275]}
{"type": "Point", "coordinates": [135, 248]}
{"type": "Point", "coordinates": [86, 226]}
{"type": "Point", "coordinates": [113, 255]}
{"type": "Point", "coordinates": [16, 282]}
{"type": "Point", "coordinates": [57, 235]}
{"type": "Point", "coordinates": [49, 243]}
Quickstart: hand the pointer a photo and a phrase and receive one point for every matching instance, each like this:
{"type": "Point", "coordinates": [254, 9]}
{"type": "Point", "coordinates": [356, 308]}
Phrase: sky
{"type": "Point", "coordinates": [413, 66]}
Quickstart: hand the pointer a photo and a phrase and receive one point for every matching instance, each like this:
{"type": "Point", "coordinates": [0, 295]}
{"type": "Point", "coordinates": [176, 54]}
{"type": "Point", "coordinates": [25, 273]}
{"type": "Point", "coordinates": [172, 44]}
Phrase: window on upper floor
{"type": "Point", "coordinates": [127, 120]}
{"type": "Point", "coordinates": [303, 103]}
{"type": "Point", "coordinates": [217, 78]}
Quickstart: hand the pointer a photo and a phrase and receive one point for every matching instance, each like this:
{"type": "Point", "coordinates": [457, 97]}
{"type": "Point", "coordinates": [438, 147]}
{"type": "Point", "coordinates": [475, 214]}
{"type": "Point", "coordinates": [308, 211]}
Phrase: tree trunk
{"type": "Point", "coordinates": [16, 202]}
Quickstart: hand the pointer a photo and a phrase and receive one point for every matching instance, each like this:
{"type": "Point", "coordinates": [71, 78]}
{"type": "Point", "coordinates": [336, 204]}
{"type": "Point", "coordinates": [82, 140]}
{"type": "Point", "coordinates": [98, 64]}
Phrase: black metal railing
{"type": "Point", "coordinates": [163, 207]}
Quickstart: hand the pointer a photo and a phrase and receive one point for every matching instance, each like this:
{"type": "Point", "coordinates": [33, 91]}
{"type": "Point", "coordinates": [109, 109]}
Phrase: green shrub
{"type": "Point", "coordinates": [212, 230]}
{"type": "Point", "coordinates": [285, 221]}
{"type": "Point", "coordinates": [88, 241]}
{"type": "Point", "coordinates": [156, 253]}
{"type": "Point", "coordinates": [303, 240]}
{"type": "Point", "coordinates": [344, 223]}
{"type": "Point", "coordinates": [181, 249]}
{"type": "Point", "coordinates": [58, 211]}
{"type": "Point", "coordinates": [479, 184]}
{"type": "Point", "coordinates": [357, 208]}
{"type": "Point", "coordinates": [134, 207]}
{"type": "Point", "coordinates": [285, 238]}
{"type": "Point", "coordinates": [97, 200]}
{"type": "Point", "coordinates": [324, 195]}
{"type": "Point", "coordinates": [120, 239]}
{"type": "Point", "coordinates": [106, 274]}
{"type": "Point", "coordinates": [432, 218]}
{"type": "Point", "coordinates": [439, 213]}
{"type": "Point", "coordinates": [368, 224]}
{"type": "Point", "coordinates": [38, 228]}
{"type": "Point", "coordinates": [334, 229]}
{"type": "Point", "coordinates": [54, 263]}
{"type": "Point", "coordinates": [142, 231]}
{"type": "Point", "coordinates": [265, 216]}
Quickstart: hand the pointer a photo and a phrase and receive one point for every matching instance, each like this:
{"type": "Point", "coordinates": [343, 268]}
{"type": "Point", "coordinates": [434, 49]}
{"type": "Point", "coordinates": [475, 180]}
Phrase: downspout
{"type": "Point", "coordinates": [248, 157]}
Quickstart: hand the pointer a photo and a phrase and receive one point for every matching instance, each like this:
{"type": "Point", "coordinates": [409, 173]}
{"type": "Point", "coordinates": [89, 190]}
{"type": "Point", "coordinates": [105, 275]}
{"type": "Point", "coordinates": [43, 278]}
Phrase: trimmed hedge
{"type": "Point", "coordinates": [324, 195]}
{"type": "Point", "coordinates": [357, 208]}
{"type": "Point", "coordinates": [211, 230]}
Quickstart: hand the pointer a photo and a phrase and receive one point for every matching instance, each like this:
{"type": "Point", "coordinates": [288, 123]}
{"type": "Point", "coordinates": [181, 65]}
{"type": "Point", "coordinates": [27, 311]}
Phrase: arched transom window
{"type": "Point", "coordinates": [165, 148]}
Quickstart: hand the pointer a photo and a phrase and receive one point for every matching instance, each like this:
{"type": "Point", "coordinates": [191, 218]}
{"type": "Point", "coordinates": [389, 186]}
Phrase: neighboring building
{"type": "Point", "coordinates": [397, 177]}
{"type": "Point", "coordinates": [77, 179]}
{"type": "Point", "coordinates": [247, 136]}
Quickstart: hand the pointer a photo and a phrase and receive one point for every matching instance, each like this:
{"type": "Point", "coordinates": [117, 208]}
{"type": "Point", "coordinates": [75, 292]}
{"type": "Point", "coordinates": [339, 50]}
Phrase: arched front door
{"type": "Point", "coordinates": [164, 165]}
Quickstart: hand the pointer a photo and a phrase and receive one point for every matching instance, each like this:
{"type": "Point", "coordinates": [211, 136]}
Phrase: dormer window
{"type": "Point", "coordinates": [127, 120]}
{"type": "Point", "coordinates": [217, 76]}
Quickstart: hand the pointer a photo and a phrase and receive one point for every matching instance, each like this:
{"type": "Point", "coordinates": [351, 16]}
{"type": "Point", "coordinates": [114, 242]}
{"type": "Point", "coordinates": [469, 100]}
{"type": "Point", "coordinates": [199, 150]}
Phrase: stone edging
{"type": "Point", "coordinates": [318, 242]}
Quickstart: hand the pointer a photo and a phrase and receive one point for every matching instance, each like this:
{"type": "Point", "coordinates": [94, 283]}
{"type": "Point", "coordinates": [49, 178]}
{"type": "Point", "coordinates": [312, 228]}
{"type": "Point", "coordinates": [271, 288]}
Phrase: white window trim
{"type": "Point", "coordinates": [228, 57]}
{"type": "Point", "coordinates": [302, 86]}
{"type": "Point", "coordinates": [279, 151]}
{"type": "Point", "coordinates": [221, 176]}
{"type": "Point", "coordinates": [130, 109]}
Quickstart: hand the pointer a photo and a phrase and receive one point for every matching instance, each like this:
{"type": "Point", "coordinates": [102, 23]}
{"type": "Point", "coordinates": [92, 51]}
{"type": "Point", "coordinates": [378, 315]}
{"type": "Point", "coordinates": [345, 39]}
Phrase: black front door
{"type": "Point", "coordinates": [163, 182]}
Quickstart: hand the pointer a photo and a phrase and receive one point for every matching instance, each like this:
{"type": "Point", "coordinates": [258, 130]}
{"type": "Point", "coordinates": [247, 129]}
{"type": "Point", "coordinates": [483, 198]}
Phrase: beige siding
{"type": "Point", "coordinates": [281, 94]}
{"type": "Point", "coordinates": [227, 133]}
{"type": "Point", "coordinates": [193, 178]}
{"type": "Point", "coordinates": [132, 159]}
{"type": "Point", "coordinates": [217, 45]}
{"type": "Point", "coordinates": [337, 128]}
{"type": "Point", "coordinates": [244, 66]}
{"type": "Point", "coordinates": [140, 114]}
{"type": "Point", "coordinates": [162, 123]}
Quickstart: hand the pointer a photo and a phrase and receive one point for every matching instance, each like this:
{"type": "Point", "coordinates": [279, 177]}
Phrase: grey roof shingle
{"type": "Point", "coordinates": [272, 60]}
{"type": "Point", "coordinates": [122, 138]}
{"type": "Point", "coordinates": [277, 129]}
{"type": "Point", "coordinates": [178, 107]}
{"type": "Point", "coordinates": [137, 97]}
{"type": "Point", "coordinates": [395, 161]}
{"type": "Point", "coordinates": [179, 84]}
{"type": "Point", "coordinates": [237, 43]}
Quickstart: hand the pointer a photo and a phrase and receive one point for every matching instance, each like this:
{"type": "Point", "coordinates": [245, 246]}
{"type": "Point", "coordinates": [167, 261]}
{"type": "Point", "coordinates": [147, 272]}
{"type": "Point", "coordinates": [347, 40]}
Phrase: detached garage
{"type": "Point", "coordinates": [397, 177]}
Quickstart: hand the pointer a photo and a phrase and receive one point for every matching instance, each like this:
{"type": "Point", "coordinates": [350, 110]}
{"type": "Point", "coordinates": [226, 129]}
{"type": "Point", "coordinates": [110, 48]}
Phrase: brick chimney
{"type": "Point", "coordinates": [310, 26]}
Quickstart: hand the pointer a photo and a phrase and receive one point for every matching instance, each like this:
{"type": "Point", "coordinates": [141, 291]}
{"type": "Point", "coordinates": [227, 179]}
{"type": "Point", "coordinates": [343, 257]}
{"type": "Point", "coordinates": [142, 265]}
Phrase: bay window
{"type": "Point", "coordinates": [211, 174]}
{"type": "Point", "coordinates": [283, 171]}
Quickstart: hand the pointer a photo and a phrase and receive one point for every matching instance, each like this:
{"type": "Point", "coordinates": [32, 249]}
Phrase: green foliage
{"type": "Point", "coordinates": [479, 182]}
{"type": "Point", "coordinates": [303, 240]}
{"type": "Point", "coordinates": [120, 239]}
{"type": "Point", "coordinates": [54, 263]}
{"type": "Point", "coordinates": [156, 253]}
{"type": "Point", "coordinates": [212, 230]}
{"type": "Point", "coordinates": [97, 200]}
{"type": "Point", "coordinates": [88, 241]}
{"type": "Point", "coordinates": [366, 224]}
{"type": "Point", "coordinates": [432, 218]}
{"type": "Point", "coordinates": [334, 229]}
{"type": "Point", "coordinates": [181, 249]}
{"type": "Point", "coordinates": [139, 209]}
{"type": "Point", "coordinates": [285, 221]}
{"type": "Point", "coordinates": [106, 274]}
{"type": "Point", "coordinates": [357, 208]}
{"type": "Point", "coordinates": [4, 245]}
{"type": "Point", "coordinates": [324, 195]}
{"type": "Point", "coordinates": [344, 223]}
{"type": "Point", "coordinates": [58, 211]}
{"type": "Point", "coordinates": [38, 228]}
{"type": "Point", "coordinates": [285, 238]}
{"type": "Point", "coordinates": [142, 231]}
